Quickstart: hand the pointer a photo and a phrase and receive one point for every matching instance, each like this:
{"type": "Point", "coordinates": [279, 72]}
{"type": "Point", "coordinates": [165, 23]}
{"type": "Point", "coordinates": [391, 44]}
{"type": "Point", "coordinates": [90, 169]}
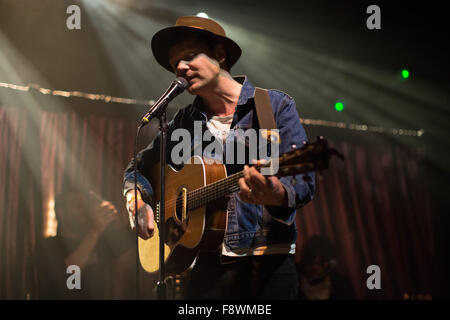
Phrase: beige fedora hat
{"type": "Point", "coordinates": [185, 26]}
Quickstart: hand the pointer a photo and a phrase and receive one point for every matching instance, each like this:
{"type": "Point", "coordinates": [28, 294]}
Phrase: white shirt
{"type": "Point", "coordinates": [220, 126]}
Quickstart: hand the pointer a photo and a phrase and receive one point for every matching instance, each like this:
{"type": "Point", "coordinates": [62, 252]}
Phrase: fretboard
{"type": "Point", "coordinates": [214, 191]}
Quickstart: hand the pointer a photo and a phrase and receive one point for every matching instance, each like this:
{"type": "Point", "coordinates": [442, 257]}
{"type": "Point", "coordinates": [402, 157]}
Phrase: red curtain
{"type": "Point", "coordinates": [20, 205]}
{"type": "Point", "coordinates": [86, 150]}
{"type": "Point", "coordinates": [374, 206]}
{"type": "Point", "coordinates": [375, 209]}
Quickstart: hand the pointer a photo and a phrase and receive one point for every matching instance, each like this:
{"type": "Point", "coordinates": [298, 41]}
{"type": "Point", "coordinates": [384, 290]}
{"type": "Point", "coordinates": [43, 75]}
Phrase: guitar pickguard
{"type": "Point", "coordinates": [174, 230]}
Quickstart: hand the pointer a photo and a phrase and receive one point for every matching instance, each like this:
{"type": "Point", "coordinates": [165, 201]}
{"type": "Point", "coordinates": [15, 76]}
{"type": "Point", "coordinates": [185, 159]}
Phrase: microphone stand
{"type": "Point", "coordinates": [158, 110]}
{"type": "Point", "coordinates": [161, 284]}
{"type": "Point", "coordinates": [161, 287]}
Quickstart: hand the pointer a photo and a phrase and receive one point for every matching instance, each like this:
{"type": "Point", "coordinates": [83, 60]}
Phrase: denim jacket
{"type": "Point", "coordinates": [252, 229]}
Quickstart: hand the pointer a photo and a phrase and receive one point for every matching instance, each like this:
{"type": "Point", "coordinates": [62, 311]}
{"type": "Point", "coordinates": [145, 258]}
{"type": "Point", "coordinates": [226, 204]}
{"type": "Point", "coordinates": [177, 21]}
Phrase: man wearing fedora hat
{"type": "Point", "coordinates": [256, 259]}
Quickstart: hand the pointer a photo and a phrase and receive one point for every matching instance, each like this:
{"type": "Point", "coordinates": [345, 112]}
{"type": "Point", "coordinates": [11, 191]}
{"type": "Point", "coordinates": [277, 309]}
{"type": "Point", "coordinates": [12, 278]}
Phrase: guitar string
{"type": "Point", "coordinates": [205, 194]}
{"type": "Point", "coordinates": [208, 192]}
{"type": "Point", "coordinates": [202, 195]}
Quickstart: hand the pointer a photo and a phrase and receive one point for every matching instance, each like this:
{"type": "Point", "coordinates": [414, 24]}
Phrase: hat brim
{"type": "Point", "coordinates": [164, 39]}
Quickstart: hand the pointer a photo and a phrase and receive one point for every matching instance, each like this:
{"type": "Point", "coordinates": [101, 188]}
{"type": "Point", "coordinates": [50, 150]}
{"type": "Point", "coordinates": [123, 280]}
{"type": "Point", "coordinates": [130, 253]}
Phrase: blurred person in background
{"type": "Point", "coordinates": [87, 237]}
{"type": "Point", "coordinates": [319, 276]}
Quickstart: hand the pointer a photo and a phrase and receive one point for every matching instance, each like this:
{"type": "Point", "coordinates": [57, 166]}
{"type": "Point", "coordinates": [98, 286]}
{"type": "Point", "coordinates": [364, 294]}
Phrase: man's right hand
{"type": "Point", "coordinates": [146, 222]}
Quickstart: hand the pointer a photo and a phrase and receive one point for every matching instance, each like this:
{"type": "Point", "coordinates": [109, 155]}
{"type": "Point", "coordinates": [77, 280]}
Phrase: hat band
{"type": "Point", "coordinates": [197, 27]}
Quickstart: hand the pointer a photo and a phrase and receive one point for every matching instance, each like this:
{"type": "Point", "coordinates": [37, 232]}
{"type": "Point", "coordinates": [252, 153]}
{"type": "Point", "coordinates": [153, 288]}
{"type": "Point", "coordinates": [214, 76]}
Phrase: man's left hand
{"type": "Point", "coordinates": [259, 189]}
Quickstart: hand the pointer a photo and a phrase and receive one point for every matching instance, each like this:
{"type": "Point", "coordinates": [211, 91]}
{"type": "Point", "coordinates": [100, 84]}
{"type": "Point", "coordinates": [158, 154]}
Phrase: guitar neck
{"type": "Point", "coordinates": [214, 191]}
{"type": "Point", "coordinates": [310, 157]}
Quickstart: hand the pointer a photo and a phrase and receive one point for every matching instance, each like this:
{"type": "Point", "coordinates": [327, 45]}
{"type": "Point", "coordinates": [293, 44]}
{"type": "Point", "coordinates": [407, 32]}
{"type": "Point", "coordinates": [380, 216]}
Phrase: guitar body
{"type": "Point", "coordinates": [187, 231]}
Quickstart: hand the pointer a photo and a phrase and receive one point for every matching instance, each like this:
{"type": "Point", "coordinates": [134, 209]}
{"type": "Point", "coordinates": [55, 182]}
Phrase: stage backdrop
{"type": "Point", "coordinates": [374, 207]}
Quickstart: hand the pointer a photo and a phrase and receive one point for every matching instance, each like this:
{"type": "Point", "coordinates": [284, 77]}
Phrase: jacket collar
{"type": "Point", "coordinates": [247, 91]}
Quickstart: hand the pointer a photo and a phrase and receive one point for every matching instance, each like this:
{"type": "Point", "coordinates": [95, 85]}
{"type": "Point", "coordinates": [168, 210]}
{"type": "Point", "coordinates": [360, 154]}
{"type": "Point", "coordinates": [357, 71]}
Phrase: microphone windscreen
{"type": "Point", "coordinates": [182, 82]}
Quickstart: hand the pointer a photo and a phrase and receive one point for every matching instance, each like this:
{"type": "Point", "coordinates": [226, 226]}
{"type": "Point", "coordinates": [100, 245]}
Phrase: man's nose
{"type": "Point", "coordinates": [182, 67]}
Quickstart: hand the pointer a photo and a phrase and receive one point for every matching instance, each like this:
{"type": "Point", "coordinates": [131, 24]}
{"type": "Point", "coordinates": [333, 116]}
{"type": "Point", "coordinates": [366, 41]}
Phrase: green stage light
{"type": "Point", "coordinates": [405, 74]}
{"type": "Point", "coordinates": [339, 106]}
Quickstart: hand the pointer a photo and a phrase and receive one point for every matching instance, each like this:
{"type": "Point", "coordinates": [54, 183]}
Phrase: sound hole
{"type": "Point", "coordinates": [179, 207]}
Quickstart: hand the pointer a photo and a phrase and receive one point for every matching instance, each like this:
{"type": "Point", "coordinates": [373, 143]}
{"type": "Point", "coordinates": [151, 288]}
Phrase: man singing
{"type": "Point", "coordinates": [256, 259]}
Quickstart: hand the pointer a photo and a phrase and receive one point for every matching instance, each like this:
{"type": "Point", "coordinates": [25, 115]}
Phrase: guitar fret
{"type": "Point", "coordinates": [214, 191]}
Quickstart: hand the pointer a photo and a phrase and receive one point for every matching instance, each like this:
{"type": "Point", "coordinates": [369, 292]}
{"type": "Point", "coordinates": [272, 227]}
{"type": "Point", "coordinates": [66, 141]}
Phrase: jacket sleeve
{"type": "Point", "coordinates": [300, 188]}
{"type": "Point", "coordinates": [146, 159]}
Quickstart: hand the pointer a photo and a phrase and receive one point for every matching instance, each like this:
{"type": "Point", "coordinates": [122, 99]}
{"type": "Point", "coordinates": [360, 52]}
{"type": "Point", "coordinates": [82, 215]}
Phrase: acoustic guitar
{"type": "Point", "coordinates": [196, 204]}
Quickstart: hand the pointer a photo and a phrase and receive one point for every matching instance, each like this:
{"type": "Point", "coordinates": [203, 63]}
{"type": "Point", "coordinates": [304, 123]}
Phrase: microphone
{"type": "Point", "coordinates": [177, 86]}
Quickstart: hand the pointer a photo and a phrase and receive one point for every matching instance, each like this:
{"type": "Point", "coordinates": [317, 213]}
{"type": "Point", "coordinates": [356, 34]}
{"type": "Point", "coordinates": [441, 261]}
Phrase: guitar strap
{"type": "Point", "coordinates": [265, 116]}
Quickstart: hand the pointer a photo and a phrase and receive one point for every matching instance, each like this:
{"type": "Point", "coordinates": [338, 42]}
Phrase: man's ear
{"type": "Point", "coordinates": [220, 55]}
